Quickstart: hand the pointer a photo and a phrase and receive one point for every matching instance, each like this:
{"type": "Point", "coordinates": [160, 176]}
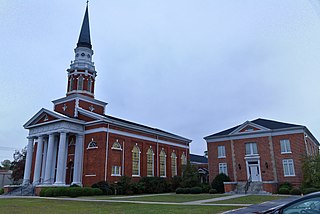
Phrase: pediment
{"type": "Point", "coordinates": [249, 127]}
{"type": "Point", "coordinates": [43, 116]}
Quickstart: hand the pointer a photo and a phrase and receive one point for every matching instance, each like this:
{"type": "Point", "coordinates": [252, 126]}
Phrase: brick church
{"type": "Point", "coordinates": [78, 143]}
{"type": "Point", "coordinates": [265, 152]}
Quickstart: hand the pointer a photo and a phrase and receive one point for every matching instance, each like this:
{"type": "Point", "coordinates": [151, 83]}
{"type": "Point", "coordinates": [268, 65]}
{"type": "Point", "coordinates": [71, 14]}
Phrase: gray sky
{"type": "Point", "coordinates": [191, 67]}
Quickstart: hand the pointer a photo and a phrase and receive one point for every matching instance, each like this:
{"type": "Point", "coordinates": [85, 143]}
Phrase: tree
{"type": "Point", "coordinates": [190, 176]}
{"type": "Point", "coordinates": [311, 171]}
{"type": "Point", "coordinates": [17, 165]}
{"type": "Point", "coordinates": [6, 164]}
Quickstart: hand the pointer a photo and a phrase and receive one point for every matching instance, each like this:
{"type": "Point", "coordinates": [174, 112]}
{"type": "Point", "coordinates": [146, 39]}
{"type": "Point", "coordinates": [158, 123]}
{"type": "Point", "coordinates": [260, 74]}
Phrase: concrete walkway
{"type": "Point", "coordinates": [215, 199]}
{"type": "Point", "coordinates": [138, 196]}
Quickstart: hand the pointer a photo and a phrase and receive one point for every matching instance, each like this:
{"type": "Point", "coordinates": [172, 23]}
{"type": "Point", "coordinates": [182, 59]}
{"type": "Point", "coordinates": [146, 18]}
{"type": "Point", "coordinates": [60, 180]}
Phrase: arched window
{"type": "Point", "coordinates": [80, 83]}
{"type": "Point", "coordinates": [89, 84]}
{"type": "Point", "coordinates": [116, 145]}
{"type": "Point", "coordinates": [174, 164]}
{"type": "Point", "coordinates": [92, 144]}
{"type": "Point", "coordinates": [150, 163]}
{"type": "Point", "coordinates": [163, 163]}
{"type": "Point", "coordinates": [70, 84]}
{"type": "Point", "coordinates": [135, 161]}
{"type": "Point", "coordinates": [183, 159]}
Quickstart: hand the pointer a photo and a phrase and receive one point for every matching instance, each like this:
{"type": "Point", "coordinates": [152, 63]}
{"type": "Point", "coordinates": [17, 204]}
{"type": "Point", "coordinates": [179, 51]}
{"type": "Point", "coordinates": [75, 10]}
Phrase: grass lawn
{"type": "Point", "coordinates": [35, 206]}
{"type": "Point", "coordinates": [249, 199]}
{"type": "Point", "coordinates": [167, 198]}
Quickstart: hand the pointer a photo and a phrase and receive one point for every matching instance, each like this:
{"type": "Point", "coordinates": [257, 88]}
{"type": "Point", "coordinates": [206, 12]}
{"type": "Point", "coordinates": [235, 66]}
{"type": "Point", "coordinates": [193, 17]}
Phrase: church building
{"type": "Point", "coordinates": [78, 143]}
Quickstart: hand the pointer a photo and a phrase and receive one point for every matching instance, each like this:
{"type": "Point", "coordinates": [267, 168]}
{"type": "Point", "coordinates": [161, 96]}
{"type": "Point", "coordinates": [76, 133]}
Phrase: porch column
{"type": "Point", "coordinates": [27, 167]}
{"type": "Point", "coordinates": [37, 168]}
{"type": "Point", "coordinates": [61, 160]}
{"type": "Point", "coordinates": [54, 159]}
{"type": "Point", "coordinates": [44, 159]}
{"type": "Point", "coordinates": [78, 160]}
{"type": "Point", "coordinates": [49, 160]}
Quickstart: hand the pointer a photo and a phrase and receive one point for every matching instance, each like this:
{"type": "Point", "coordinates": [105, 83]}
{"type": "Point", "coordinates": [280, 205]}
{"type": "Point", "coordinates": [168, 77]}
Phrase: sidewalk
{"type": "Point", "coordinates": [215, 199]}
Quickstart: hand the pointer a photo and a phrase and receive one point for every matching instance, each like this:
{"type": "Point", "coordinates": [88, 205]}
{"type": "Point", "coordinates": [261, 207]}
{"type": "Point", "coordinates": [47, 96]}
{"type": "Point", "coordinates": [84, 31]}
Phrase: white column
{"type": "Point", "coordinates": [66, 161]}
{"type": "Point", "coordinates": [27, 167]}
{"type": "Point", "coordinates": [44, 159]}
{"type": "Point", "coordinates": [61, 160]}
{"type": "Point", "coordinates": [54, 159]}
{"type": "Point", "coordinates": [49, 164]}
{"type": "Point", "coordinates": [37, 166]}
{"type": "Point", "coordinates": [78, 157]}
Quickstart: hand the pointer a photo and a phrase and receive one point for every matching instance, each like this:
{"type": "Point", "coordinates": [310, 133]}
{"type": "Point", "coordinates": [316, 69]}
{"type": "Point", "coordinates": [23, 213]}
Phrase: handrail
{"type": "Point", "coordinates": [246, 187]}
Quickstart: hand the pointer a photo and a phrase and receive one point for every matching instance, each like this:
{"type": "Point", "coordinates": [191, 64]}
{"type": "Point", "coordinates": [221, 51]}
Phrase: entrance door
{"type": "Point", "coordinates": [254, 170]}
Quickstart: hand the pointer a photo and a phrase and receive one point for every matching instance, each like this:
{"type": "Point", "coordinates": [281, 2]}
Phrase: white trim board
{"type": "Point", "coordinates": [113, 131]}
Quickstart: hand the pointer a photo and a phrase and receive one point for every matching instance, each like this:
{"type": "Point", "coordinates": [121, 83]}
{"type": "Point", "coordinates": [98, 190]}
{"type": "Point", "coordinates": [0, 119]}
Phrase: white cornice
{"type": "Point", "coordinates": [248, 123]}
{"type": "Point", "coordinates": [80, 97]}
{"type": "Point", "coordinates": [127, 134]}
{"type": "Point", "coordinates": [245, 135]}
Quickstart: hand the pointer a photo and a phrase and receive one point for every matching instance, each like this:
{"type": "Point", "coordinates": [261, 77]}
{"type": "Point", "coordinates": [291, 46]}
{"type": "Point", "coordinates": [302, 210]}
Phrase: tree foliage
{"type": "Point", "coordinates": [6, 164]}
{"type": "Point", "coordinates": [190, 176]}
{"type": "Point", "coordinates": [311, 171]}
{"type": "Point", "coordinates": [17, 166]}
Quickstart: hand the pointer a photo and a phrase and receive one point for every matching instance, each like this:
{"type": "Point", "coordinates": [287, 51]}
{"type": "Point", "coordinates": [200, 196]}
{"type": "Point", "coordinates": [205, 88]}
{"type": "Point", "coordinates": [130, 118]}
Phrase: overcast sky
{"type": "Point", "coordinates": [190, 67]}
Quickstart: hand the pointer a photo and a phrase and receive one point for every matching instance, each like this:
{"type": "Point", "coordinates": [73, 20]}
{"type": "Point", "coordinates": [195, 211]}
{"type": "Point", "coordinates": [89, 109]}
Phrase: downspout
{"type": "Point", "coordinates": [305, 142]}
{"type": "Point", "coordinates": [123, 158]}
{"type": "Point", "coordinates": [157, 157]}
{"type": "Point", "coordinates": [107, 149]}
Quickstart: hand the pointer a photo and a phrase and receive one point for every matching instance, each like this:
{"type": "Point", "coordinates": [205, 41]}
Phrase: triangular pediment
{"type": "Point", "coordinates": [249, 127]}
{"type": "Point", "coordinates": [43, 116]}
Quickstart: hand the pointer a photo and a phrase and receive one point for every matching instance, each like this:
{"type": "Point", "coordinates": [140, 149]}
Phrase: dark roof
{"type": "Point", "coordinates": [84, 37]}
{"type": "Point", "coordinates": [198, 159]}
{"type": "Point", "coordinates": [147, 127]}
{"type": "Point", "coordinates": [270, 124]}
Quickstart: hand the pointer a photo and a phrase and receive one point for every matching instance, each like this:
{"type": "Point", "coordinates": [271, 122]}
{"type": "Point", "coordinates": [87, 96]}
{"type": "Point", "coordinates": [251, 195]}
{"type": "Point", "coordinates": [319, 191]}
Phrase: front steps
{"type": "Point", "coordinates": [253, 188]}
{"type": "Point", "coordinates": [26, 190]}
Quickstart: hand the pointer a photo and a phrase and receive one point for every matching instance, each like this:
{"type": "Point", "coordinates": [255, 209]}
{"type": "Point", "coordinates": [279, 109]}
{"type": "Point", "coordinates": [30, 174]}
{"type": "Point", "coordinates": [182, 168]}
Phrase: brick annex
{"type": "Point", "coordinates": [78, 143]}
{"type": "Point", "coordinates": [266, 152]}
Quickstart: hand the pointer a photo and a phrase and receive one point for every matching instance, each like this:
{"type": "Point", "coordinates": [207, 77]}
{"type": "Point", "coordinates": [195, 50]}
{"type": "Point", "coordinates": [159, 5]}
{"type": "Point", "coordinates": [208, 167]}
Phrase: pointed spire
{"type": "Point", "coordinates": [84, 38]}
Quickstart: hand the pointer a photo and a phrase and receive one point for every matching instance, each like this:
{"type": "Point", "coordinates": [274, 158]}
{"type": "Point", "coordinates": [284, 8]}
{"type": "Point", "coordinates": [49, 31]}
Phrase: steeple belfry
{"type": "Point", "coordinates": [82, 73]}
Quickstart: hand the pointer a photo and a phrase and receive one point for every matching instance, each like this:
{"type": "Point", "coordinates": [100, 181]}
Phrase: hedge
{"type": "Point", "coordinates": [1, 191]}
{"type": "Point", "coordinates": [69, 191]}
{"type": "Point", "coordinates": [284, 190]}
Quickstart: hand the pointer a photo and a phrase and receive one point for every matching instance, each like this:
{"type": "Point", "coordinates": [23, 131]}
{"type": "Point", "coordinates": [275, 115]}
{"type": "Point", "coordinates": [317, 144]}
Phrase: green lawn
{"type": "Point", "coordinates": [249, 199]}
{"type": "Point", "coordinates": [162, 198]}
{"type": "Point", "coordinates": [34, 206]}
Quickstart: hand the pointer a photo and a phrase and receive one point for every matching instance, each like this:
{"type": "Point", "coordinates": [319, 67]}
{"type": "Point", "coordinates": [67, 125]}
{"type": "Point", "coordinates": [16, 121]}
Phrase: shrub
{"type": "Point", "coordinates": [310, 190]}
{"type": "Point", "coordinates": [124, 185]}
{"type": "Point", "coordinates": [286, 185]}
{"type": "Point", "coordinates": [284, 190]}
{"type": "Point", "coordinates": [155, 185]}
{"type": "Point", "coordinates": [190, 176]}
{"type": "Point", "coordinates": [75, 192]}
{"type": "Point", "coordinates": [137, 188]}
{"type": "Point", "coordinates": [195, 190]}
{"type": "Point", "coordinates": [205, 188]}
{"type": "Point", "coordinates": [213, 191]}
{"type": "Point", "coordinates": [217, 182]}
{"type": "Point", "coordinates": [69, 191]}
{"type": "Point", "coordinates": [104, 186]}
{"type": "Point", "coordinates": [180, 190]}
{"type": "Point", "coordinates": [295, 191]}
{"type": "Point", "coordinates": [186, 190]}
{"type": "Point", "coordinates": [176, 182]}
{"type": "Point", "coordinates": [1, 191]}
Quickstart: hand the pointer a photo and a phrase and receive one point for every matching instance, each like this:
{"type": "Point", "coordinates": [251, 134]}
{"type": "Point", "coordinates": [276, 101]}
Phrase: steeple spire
{"type": "Point", "coordinates": [84, 37]}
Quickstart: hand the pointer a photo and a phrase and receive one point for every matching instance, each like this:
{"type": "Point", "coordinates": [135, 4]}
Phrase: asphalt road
{"type": "Point", "coordinates": [263, 206]}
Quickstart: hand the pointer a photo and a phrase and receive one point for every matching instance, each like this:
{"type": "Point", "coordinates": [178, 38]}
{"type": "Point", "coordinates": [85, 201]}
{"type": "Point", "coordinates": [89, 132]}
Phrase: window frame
{"type": "Point", "coordinates": [113, 170]}
{"type": "Point", "coordinates": [222, 151]}
{"type": "Point", "coordinates": [80, 83]}
{"type": "Point", "coordinates": [116, 143]}
{"type": "Point", "coordinates": [150, 153]}
{"type": "Point", "coordinates": [174, 168]}
{"type": "Point", "coordinates": [92, 145]}
{"type": "Point", "coordinates": [184, 160]}
{"type": "Point", "coordinates": [286, 164]}
{"type": "Point", "coordinates": [136, 161]}
{"type": "Point", "coordinates": [285, 146]}
{"type": "Point", "coordinates": [251, 148]}
{"type": "Point", "coordinates": [223, 168]}
{"type": "Point", "coordinates": [164, 165]}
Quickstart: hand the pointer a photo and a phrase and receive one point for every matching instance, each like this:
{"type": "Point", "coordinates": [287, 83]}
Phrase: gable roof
{"type": "Point", "coordinates": [198, 159]}
{"type": "Point", "coordinates": [269, 124]}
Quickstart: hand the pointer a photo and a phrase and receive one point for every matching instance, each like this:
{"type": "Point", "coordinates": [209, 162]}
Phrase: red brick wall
{"type": "Point", "coordinates": [97, 108]}
{"type": "Point", "coordinates": [70, 108]}
{"type": "Point", "coordinates": [267, 174]}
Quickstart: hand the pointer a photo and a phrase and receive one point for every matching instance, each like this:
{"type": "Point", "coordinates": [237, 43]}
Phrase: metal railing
{"type": "Point", "coordinates": [246, 187]}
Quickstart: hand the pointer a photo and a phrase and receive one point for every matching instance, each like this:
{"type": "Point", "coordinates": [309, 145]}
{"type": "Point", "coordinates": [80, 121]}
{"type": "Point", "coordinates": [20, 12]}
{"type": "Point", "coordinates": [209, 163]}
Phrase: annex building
{"type": "Point", "coordinates": [265, 152]}
{"type": "Point", "coordinates": [78, 143]}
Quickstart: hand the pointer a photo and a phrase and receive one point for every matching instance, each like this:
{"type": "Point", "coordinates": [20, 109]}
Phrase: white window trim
{"type": "Point", "coordinates": [152, 163]}
{"type": "Point", "coordinates": [165, 165]}
{"type": "Point", "coordinates": [283, 165]}
{"type": "Point", "coordinates": [285, 146]}
{"type": "Point", "coordinates": [223, 152]}
{"type": "Point", "coordinates": [251, 149]}
{"type": "Point", "coordinates": [139, 170]}
{"type": "Point", "coordinates": [115, 148]}
{"type": "Point", "coordinates": [116, 175]}
{"type": "Point", "coordinates": [226, 166]}
{"type": "Point", "coordinates": [176, 163]}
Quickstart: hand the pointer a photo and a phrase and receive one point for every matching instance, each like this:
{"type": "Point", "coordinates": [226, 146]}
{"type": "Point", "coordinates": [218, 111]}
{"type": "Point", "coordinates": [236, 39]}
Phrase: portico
{"type": "Point", "coordinates": [48, 145]}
